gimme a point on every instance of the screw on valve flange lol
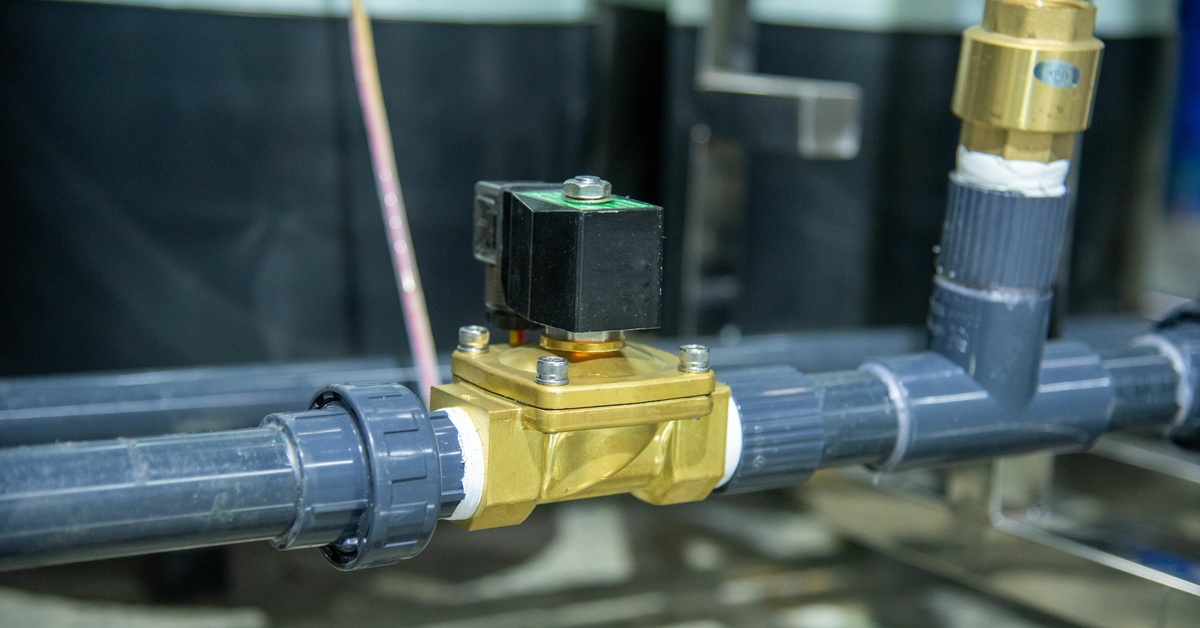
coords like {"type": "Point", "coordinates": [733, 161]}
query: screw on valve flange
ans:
{"type": "Point", "coordinates": [551, 370]}
{"type": "Point", "coordinates": [473, 339]}
{"type": "Point", "coordinates": [693, 359]}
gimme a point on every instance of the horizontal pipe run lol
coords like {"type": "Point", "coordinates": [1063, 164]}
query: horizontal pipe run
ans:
{"type": "Point", "coordinates": [946, 416]}
{"type": "Point", "coordinates": [100, 406]}
{"type": "Point", "coordinates": [364, 475]}
{"type": "Point", "coordinates": [71, 502]}
{"type": "Point", "coordinates": [922, 410]}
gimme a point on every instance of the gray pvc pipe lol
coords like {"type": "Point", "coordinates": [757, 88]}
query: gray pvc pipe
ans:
{"type": "Point", "coordinates": [364, 475]}
{"type": "Point", "coordinates": [992, 295]}
{"type": "Point", "coordinates": [98, 406]}
{"type": "Point", "coordinates": [793, 424]}
{"type": "Point", "coordinates": [81, 501]}
{"type": "Point", "coordinates": [923, 409]}
{"type": "Point", "coordinates": [945, 415]}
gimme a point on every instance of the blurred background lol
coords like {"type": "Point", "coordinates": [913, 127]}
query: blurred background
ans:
{"type": "Point", "coordinates": [186, 183]}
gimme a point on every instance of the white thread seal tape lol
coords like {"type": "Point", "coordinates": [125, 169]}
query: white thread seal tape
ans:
{"type": "Point", "coordinates": [733, 442]}
{"type": "Point", "coordinates": [474, 468]}
{"type": "Point", "coordinates": [1027, 178]}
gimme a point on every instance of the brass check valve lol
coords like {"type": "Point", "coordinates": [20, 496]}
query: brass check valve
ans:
{"type": "Point", "coordinates": [1027, 78]}
{"type": "Point", "coordinates": [581, 412]}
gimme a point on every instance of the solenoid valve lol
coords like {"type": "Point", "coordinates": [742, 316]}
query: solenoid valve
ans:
{"type": "Point", "coordinates": [581, 412]}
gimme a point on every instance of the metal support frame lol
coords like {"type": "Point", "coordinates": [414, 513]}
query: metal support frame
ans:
{"type": "Point", "coordinates": [815, 119]}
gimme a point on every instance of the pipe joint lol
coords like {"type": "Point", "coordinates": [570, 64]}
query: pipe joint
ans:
{"type": "Point", "coordinates": [990, 309]}
{"type": "Point", "coordinates": [782, 428]}
{"type": "Point", "coordinates": [1177, 338]}
{"type": "Point", "coordinates": [414, 473]}
{"type": "Point", "coordinates": [944, 415]}
{"type": "Point", "coordinates": [992, 238]}
{"type": "Point", "coordinates": [327, 457]}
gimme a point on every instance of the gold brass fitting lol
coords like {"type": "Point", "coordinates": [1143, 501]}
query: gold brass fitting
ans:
{"type": "Point", "coordinates": [628, 421]}
{"type": "Point", "coordinates": [564, 341]}
{"type": "Point", "coordinates": [1027, 78]}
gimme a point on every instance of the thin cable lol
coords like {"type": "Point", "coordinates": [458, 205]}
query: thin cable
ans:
{"type": "Point", "coordinates": [391, 202]}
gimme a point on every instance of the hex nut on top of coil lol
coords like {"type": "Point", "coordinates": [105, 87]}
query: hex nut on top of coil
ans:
{"type": "Point", "coordinates": [587, 188]}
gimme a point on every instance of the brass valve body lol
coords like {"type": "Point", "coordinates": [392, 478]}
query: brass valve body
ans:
{"type": "Point", "coordinates": [1027, 78]}
{"type": "Point", "coordinates": [628, 421]}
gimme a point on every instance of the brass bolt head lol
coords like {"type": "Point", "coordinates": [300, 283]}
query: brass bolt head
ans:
{"type": "Point", "coordinates": [473, 339]}
{"type": "Point", "coordinates": [693, 359]}
{"type": "Point", "coordinates": [587, 188]}
{"type": "Point", "coordinates": [551, 370]}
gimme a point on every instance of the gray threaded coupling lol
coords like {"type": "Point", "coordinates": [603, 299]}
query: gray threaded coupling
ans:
{"type": "Point", "coordinates": [990, 309]}
{"type": "Point", "coordinates": [1001, 239]}
{"type": "Point", "coordinates": [334, 486]}
{"type": "Point", "coordinates": [782, 429]}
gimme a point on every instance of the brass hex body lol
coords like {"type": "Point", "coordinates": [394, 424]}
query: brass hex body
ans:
{"type": "Point", "coordinates": [1027, 78]}
{"type": "Point", "coordinates": [628, 421]}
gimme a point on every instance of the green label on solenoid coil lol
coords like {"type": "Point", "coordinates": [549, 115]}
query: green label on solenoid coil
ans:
{"type": "Point", "coordinates": [616, 202]}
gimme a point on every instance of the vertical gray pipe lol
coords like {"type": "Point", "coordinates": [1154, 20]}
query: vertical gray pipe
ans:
{"type": "Point", "coordinates": [997, 263]}
{"type": "Point", "coordinates": [90, 500]}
